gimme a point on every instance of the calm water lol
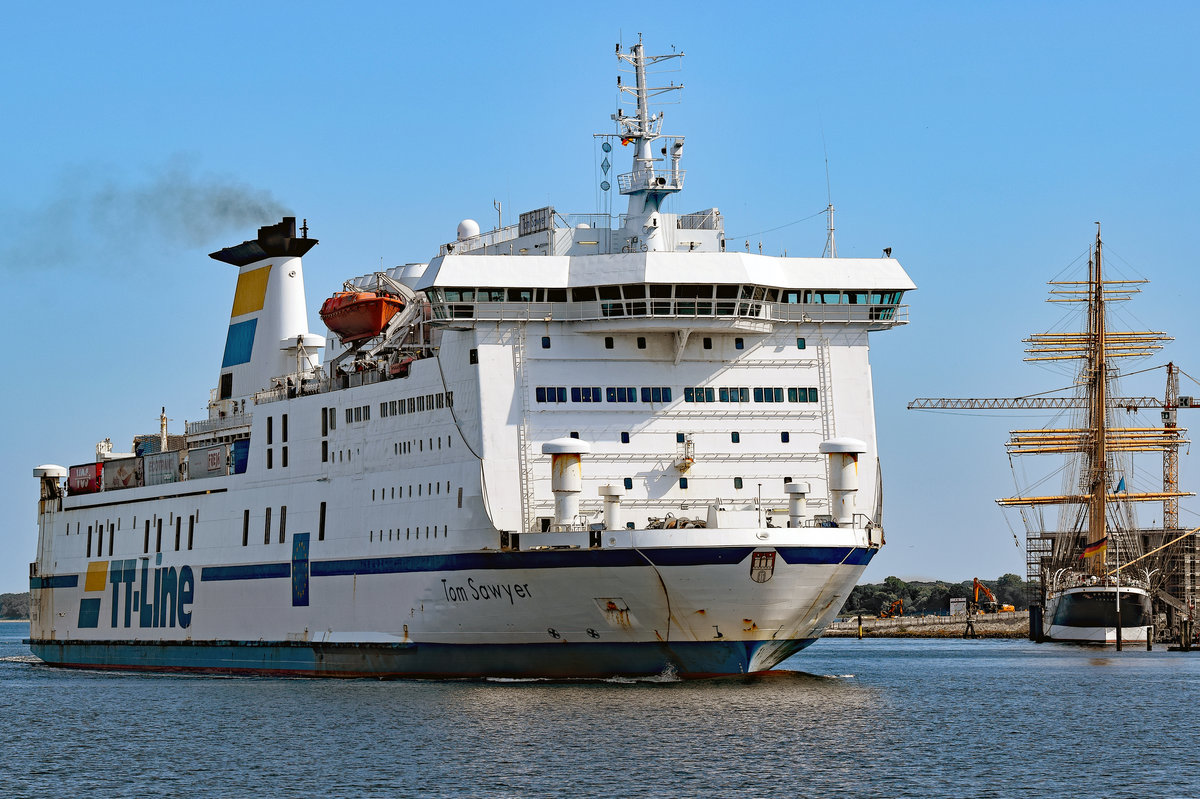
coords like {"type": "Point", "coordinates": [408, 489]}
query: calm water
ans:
{"type": "Point", "coordinates": [863, 718]}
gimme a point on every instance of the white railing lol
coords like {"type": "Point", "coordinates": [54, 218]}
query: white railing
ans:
{"type": "Point", "coordinates": [661, 179]}
{"type": "Point", "coordinates": [876, 315]}
{"type": "Point", "coordinates": [221, 423]}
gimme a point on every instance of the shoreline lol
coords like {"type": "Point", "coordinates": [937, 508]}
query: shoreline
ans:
{"type": "Point", "coordinates": [1013, 625]}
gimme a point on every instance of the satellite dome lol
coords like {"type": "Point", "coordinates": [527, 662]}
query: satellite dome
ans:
{"type": "Point", "coordinates": [583, 226]}
{"type": "Point", "coordinates": [467, 229]}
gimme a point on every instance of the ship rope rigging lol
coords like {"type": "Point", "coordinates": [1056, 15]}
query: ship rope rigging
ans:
{"type": "Point", "coordinates": [1099, 482]}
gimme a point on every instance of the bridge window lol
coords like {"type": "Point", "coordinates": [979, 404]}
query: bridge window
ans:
{"type": "Point", "coordinates": [656, 394]}
{"type": "Point", "coordinates": [550, 394]}
{"type": "Point", "coordinates": [737, 482]}
{"type": "Point", "coordinates": [585, 394]}
{"type": "Point", "coordinates": [628, 483]}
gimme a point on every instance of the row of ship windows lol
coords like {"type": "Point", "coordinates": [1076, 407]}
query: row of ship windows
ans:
{"type": "Point", "coordinates": [559, 394]}
{"type": "Point", "coordinates": [611, 394]}
{"type": "Point", "coordinates": [641, 291]}
{"type": "Point", "coordinates": [345, 455]}
{"type": "Point", "coordinates": [429, 489]}
{"type": "Point", "coordinates": [682, 438]}
{"type": "Point", "coordinates": [405, 447]}
{"type": "Point", "coordinates": [409, 533]}
{"type": "Point", "coordinates": [362, 413]}
{"type": "Point", "coordinates": [610, 343]}
{"type": "Point", "coordinates": [428, 402]}
{"type": "Point", "coordinates": [282, 525]}
{"type": "Point", "coordinates": [113, 529]}
{"type": "Point", "coordinates": [743, 394]}
{"type": "Point", "coordinates": [738, 482]}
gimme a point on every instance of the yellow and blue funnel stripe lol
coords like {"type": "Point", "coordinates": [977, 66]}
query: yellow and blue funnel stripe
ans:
{"type": "Point", "coordinates": [249, 298]}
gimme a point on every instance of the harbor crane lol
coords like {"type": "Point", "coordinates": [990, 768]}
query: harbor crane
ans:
{"type": "Point", "coordinates": [1167, 438]}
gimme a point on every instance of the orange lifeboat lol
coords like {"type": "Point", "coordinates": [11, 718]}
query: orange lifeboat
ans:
{"type": "Point", "coordinates": [358, 315]}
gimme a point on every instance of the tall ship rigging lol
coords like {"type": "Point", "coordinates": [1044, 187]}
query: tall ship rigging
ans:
{"type": "Point", "coordinates": [1094, 573]}
{"type": "Point", "coordinates": [1092, 587]}
{"type": "Point", "coordinates": [575, 446]}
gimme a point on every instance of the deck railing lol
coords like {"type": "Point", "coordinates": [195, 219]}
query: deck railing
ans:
{"type": "Point", "coordinates": [880, 315]}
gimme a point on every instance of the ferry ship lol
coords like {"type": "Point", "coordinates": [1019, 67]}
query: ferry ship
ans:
{"type": "Point", "coordinates": [579, 446]}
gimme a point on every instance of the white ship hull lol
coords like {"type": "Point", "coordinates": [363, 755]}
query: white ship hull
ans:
{"type": "Point", "coordinates": [1088, 615]}
{"type": "Point", "coordinates": [652, 601]}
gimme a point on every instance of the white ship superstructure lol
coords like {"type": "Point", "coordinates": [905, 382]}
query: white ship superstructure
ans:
{"type": "Point", "coordinates": [579, 448]}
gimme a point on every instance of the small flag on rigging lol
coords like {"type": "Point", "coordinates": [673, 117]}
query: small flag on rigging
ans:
{"type": "Point", "coordinates": [1096, 548]}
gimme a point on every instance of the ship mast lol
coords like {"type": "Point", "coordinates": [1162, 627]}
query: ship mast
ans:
{"type": "Point", "coordinates": [1098, 423]}
{"type": "Point", "coordinates": [646, 186]}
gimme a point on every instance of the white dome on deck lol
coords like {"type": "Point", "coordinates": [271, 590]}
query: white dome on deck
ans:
{"type": "Point", "coordinates": [467, 229]}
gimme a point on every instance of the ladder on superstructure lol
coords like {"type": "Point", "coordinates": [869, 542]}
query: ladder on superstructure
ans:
{"type": "Point", "coordinates": [828, 424]}
{"type": "Point", "coordinates": [524, 461]}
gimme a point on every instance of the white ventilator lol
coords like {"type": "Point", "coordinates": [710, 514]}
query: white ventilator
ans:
{"type": "Point", "coordinates": [566, 476]}
{"type": "Point", "coordinates": [843, 475]}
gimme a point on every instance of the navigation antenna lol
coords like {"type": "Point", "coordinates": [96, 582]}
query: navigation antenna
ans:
{"type": "Point", "coordinates": [830, 250]}
{"type": "Point", "coordinates": [646, 186]}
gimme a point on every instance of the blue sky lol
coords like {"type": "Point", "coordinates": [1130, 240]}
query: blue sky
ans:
{"type": "Point", "coordinates": [980, 141]}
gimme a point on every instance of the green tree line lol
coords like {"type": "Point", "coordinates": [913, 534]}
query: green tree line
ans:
{"type": "Point", "coordinates": [930, 597]}
{"type": "Point", "coordinates": [14, 606]}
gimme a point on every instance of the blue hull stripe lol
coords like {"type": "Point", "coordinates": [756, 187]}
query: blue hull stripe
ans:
{"type": "Point", "coordinates": [849, 556]}
{"type": "Point", "coordinates": [553, 660]}
{"type": "Point", "coordinates": [56, 581]}
{"type": "Point", "coordinates": [481, 561]}
{"type": "Point", "coordinates": [255, 571]}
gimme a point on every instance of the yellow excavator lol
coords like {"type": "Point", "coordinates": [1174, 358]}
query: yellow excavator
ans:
{"type": "Point", "coordinates": [990, 605]}
{"type": "Point", "coordinates": [893, 610]}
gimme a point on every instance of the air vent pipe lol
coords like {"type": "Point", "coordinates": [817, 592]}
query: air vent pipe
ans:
{"type": "Point", "coordinates": [566, 477]}
{"type": "Point", "coordinates": [843, 475]}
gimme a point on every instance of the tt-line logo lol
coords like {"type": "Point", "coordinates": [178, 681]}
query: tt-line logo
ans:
{"type": "Point", "coordinates": [151, 596]}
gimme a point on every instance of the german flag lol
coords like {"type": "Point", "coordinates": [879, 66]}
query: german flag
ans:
{"type": "Point", "coordinates": [1097, 548]}
{"type": "Point", "coordinates": [625, 140]}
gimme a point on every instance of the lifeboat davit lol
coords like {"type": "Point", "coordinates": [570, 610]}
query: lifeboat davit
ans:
{"type": "Point", "coordinates": [358, 315]}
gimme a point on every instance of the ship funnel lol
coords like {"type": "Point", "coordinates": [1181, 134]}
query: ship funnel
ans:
{"type": "Point", "coordinates": [268, 328]}
{"type": "Point", "coordinates": [566, 477]}
{"type": "Point", "coordinates": [843, 475]}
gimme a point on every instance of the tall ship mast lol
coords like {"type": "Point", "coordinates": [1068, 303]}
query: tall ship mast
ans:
{"type": "Point", "coordinates": [1095, 579]}
{"type": "Point", "coordinates": [578, 445]}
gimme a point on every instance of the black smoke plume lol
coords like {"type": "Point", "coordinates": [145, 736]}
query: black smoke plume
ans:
{"type": "Point", "coordinates": [102, 221]}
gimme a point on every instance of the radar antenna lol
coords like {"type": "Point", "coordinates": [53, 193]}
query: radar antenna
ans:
{"type": "Point", "coordinates": [646, 186]}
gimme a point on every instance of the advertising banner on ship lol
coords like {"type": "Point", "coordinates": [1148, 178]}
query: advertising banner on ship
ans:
{"type": "Point", "coordinates": [122, 473]}
{"type": "Point", "coordinates": [162, 467]}
{"type": "Point", "coordinates": [85, 478]}
{"type": "Point", "coordinates": [208, 462]}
